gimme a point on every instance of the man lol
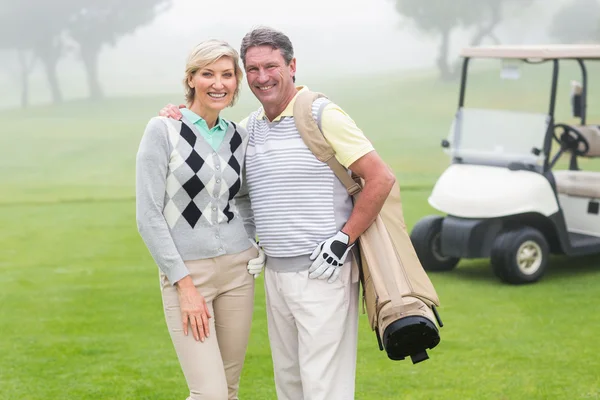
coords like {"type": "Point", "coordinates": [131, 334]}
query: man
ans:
{"type": "Point", "coordinates": [307, 225]}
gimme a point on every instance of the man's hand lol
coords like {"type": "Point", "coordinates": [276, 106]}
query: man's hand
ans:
{"type": "Point", "coordinates": [256, 265]}
{"type": "Point", "coordinates": [193, 308]}
{"type": "Point", "coordinates": [171, 111]}
{"type": "Point", "coordinates": [329, 257]}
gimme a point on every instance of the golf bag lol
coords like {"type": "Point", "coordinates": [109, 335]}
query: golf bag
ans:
{"type": "Point", "coordinates": [400, 299]}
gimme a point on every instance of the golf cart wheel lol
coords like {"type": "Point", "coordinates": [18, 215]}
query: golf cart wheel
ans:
{"type": "Point", "coordinates": [520, 255]}
{"type": "Point", "coordinates": [426, 239]}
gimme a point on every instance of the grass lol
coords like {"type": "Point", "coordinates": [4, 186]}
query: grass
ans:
{"type": "Point", "coordinates": [80, 311]}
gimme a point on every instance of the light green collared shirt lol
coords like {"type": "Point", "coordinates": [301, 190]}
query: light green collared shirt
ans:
{"type": "Point", "coordinates": [213, 136]}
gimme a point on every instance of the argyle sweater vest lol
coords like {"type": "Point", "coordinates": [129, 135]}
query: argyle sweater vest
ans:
{"type": "Point", "coordinates": [190, 202]}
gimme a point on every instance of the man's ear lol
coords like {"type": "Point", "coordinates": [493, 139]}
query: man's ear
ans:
{"type": "Point", "coordinates": [293, 66]}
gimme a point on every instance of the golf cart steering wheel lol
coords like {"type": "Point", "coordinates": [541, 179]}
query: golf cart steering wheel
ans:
{"type": "Point", "coordinates": [570, 138]}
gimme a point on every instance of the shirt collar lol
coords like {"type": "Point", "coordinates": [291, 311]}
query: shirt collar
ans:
{"type": "Point", "coordinates": [289, 109]}
{"type": "Point", "coordinates": [196, 119]}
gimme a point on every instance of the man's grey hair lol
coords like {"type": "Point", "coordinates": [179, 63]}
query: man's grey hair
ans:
{"type": "Point", "coordinates": [265, 36]}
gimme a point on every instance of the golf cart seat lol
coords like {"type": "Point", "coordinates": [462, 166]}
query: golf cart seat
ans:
{"type": "Point", "coordinates": [592, 135]}
{"type": "Point", "coordinates": [578, 183]}
{"type": "Point", "coordinates": [582, 183]}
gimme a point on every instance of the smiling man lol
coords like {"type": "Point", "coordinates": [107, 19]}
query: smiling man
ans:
{"type": "Point", "coordinates": [307, 224]}
{"type": "Point", "coordinates": [271, 77]}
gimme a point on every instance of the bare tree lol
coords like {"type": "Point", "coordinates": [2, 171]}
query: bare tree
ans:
{"type": "Point", "coordinates": [37, 32]}
{"type": "Point", "coordinates": [18, 64]}
{"type": "Point", "coordinates": [98, 23]}
{"type": "Point", "coordinates": [34, 27]}
{"type": "Point", "coordinates": [441, 17]}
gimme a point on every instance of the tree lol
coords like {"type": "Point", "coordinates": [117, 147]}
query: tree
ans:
{"type": "Point", "coordinates": [441, 17]}
{"type": "Point", "coordinates": [96, 23]}
{"type": "Point", "coordinates": [34, 30]}
{"type": "Point", "coordinates": [22, 59]}
{"type": "Point", "coordinates": [39, 31]}
{"type": "Point", "coordinates": [27, 61]}
{"type": "Point", "coordinates": [577, 22]}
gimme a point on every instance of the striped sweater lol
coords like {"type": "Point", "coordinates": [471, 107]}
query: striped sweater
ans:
{"type": "Point", "coordinates": [296, 199]}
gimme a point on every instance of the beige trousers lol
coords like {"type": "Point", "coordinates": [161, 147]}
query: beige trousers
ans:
{"type": "Point", "coordinates": [313, 331]}
{"type": "Point", "coordinates": [212, 368]}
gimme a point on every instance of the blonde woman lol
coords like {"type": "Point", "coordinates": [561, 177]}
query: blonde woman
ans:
{"type": "Point", "coordinates": [194, 215]}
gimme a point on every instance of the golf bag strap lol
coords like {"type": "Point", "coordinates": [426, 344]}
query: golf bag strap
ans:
{"type": "Point", "coordinates": [312, 135]}
{"type": "Point", "coordinates": [320, 114]}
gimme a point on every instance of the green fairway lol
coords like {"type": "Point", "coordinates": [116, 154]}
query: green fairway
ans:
{"type": "Point", "coordinates": [81, 316]}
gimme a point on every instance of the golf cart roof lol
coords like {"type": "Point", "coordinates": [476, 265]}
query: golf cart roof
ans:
{"type": "Point", "coordinates": [540, 52]}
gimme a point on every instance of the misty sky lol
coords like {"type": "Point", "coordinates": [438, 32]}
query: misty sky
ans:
{"type": "Point", "coordinates": [351, 36]}
{"type": "Point", "coordinates": [331, 38]}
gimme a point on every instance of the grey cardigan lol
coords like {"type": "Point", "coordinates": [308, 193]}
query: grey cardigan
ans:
{"type": "Point", "coordinates": [191, 201]}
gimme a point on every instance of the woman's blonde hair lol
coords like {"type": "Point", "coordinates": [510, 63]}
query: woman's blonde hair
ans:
{"type": "Point", "coordinates": [206, 53]}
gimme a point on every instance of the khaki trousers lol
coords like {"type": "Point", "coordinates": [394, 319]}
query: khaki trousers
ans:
{"type": "Point", "coordinates": [212, 368]}
{"type": "Point", "coordinates": [313, 331]}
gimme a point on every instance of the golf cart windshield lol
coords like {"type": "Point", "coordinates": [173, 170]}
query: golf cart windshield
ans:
{"type": "Point", "coordinates": [503, 116]}
{"type": "Point", "coordinates": [499, 137]}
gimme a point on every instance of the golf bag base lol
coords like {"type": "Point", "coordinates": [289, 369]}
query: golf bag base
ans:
{"type": "Point", "coordinates": [410, 336]}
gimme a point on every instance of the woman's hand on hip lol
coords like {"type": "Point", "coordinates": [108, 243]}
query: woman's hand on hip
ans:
{"type": "Point", "coordinates": [193, 309]}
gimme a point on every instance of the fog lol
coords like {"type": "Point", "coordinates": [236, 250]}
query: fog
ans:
{"type": "Point", "coordinates": [332, 38]}
{"type": "Point", "coordinates": [344, 37]}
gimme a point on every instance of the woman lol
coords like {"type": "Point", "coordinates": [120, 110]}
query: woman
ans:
{"type": "Point", "coordinates": [194, 215]}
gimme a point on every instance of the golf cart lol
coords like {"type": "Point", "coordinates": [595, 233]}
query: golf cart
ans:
{"type": "Point", "coordinates": [503, 195]}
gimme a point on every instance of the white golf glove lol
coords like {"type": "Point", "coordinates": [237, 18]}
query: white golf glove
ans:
{"type": "Point", "coordinates": [329, 256]}
{"type": "Point", "coordinates": [256, 265]}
